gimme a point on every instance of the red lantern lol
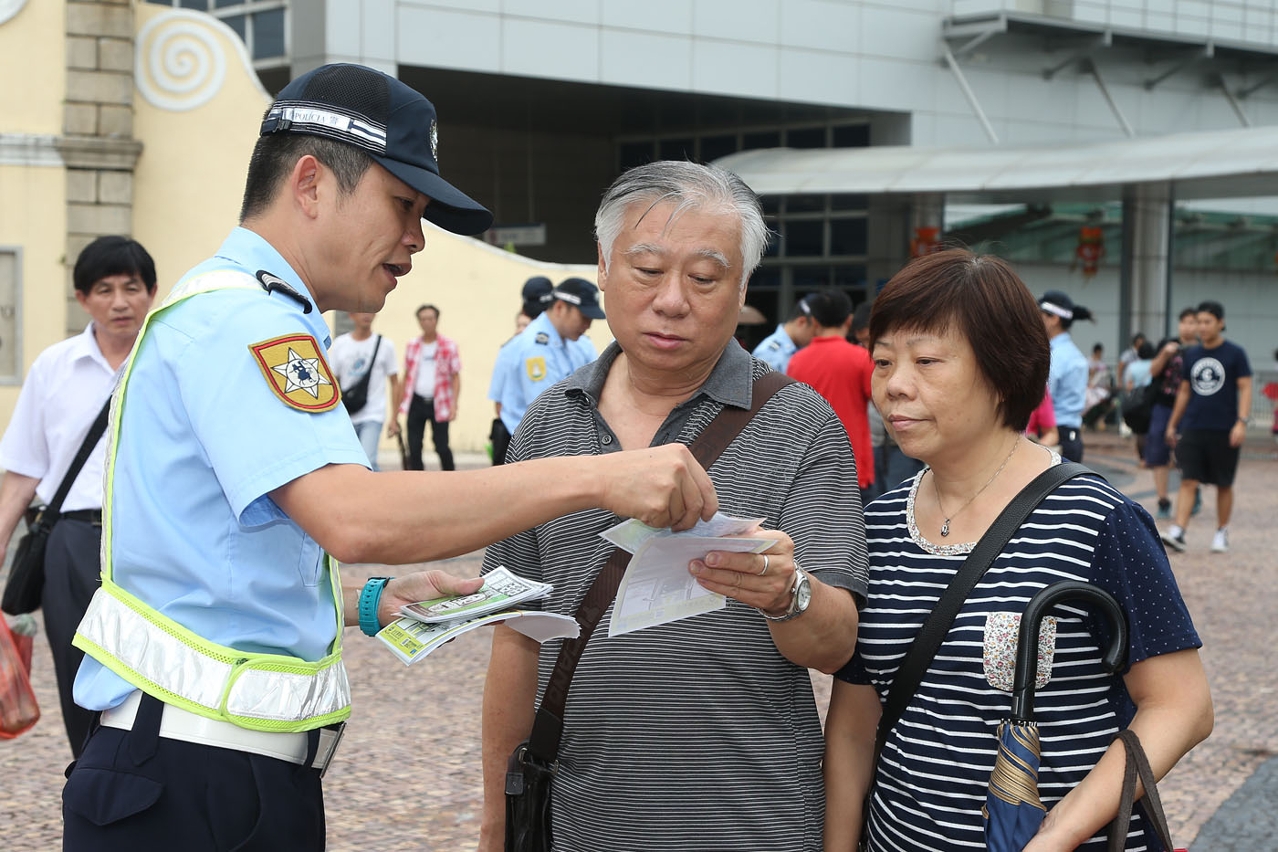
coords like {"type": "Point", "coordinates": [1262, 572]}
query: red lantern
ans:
{"type": "Point", "coordinates": [927, 240]}
{"type": "Point", "coordinates": [1091, 248]}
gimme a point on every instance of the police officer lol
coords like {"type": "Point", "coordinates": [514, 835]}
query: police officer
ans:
{"type": "Point", "coordinates": [536, 294]}
{"type": "Point", "coordinates": [550, 348]}
{"type": "Point", "coordinates": [214, 644]}
{"type": "Point", "coordinates": [790, 336]}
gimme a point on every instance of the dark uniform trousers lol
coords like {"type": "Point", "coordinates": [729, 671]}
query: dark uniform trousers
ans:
{"type": "Point", "coordinates": [134, 791]}
{"type": "Point", "coordinates": [72, 573]}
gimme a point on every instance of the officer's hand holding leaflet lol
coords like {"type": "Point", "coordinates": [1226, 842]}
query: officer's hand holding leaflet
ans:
{"type": "Point", "coordinates": [402, 517]}
{"type": "Point", "coordinates": [409, 589]}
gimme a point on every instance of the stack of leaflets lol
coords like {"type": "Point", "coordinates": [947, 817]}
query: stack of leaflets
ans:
{"type": "Point", "coordinates": [429, 624]}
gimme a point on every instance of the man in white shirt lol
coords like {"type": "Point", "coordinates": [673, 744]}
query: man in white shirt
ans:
{"type": "Point", "coordinates": [65, 389]}
{"type": "Point", "coordinates": [432, 387]}
{"type": "Point", "coordinates": [355, 355]}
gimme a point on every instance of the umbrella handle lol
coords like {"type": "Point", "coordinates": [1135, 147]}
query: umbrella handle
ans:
{"type": "Point", "coordinates": [1027, 641]}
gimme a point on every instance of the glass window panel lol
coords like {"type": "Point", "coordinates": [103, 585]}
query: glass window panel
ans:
{"type": "Point", "coordinates": [847, 236]}
{"type": "Point", "coordinates": [677, 149]}
{"type": "Point", "coordinates": [805, 204]}
{"type": "Point", "coordinates": [767, 139]}
{"type": "Point", "coordinates": [852, 279]}
{"type": "Point", "coordinates": [849, 202]}
{"type": "Point", "coordinates": [852, 136]}
{"type": "Point", "coordinates": [714, 147]}
{"type": "Point", "coordinates": [804, 239]}
{"type": "Point", "coordinates": [771, 205]}
{"type": "Point", "coordinates": [635, 154]}
{"type": "Point", "coordinates": [809, 279]}
{"type": "Point", "coordinates": [765, 278]}
{"type": "Point", "coordinates": [268, 34]}
{"type": "Point", "coordinates": [810, 137]}
{"type": "Point", "coordinates": [237, 23]}
{"type": "Point", "coordinates": [201, 5]}
{"type": "Point", "coordinates": [222, 4]}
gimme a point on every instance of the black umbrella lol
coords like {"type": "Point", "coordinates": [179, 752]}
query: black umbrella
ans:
{"type": "Point", "coordinates": [1013, 810]}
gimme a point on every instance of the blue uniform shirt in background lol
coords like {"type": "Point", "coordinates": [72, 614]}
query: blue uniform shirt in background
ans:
{"type": "Point", "coordinates": [537, 359]}
{"type": "Point", "coordinates": [1067, 381]}
{"type": "Point", "coordinates": [203, 441]}
{"type": "Point", "coordinates": [775, 349]}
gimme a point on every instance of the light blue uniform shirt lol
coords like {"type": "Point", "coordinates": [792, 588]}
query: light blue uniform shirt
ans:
{"type": "Point", "coordinates": [203, 441]}
{"type": "Point", "coordinates": [1067, 380]}
{"type": "Point", "coordinates": [501, 369]}
{"type": "Point", "coordinates": [538, 358]}
{"type": "Point", "coordinates": [776, 349]}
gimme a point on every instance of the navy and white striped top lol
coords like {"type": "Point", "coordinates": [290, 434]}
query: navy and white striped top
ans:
{"type": "Point", "coordinates": [935, 768]}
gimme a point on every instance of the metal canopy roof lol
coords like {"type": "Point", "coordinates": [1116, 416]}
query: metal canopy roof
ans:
{"type": "Point", "coordinates": [1209, 164]}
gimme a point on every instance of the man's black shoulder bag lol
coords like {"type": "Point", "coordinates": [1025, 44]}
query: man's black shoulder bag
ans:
{"type": "Point", "coordinates": [25, 586]}
{"type": "Point", "coordinates": [534, 762]}
{"type": "Point", "coordinates": [356, 396]}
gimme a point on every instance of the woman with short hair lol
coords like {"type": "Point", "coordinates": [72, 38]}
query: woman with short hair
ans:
{"type": "Point", "coordinates": [961, 359]}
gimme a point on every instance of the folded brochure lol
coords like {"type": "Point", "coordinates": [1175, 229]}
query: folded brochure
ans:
{"type": "Point", "coordinates": [426, 625]}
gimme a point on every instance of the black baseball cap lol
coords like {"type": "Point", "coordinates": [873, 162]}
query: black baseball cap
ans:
{"type": "Point", "coordinates": [537, 295]}
{"type": "Point", "coordinates": [1056, 302]}
{"type": "Point", "coordinates": [582, 294]}
{"type": "Point", "coordinates": [390, 120]}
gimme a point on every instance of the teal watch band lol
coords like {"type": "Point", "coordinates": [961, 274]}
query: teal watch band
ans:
{"type": "Point", "coordinates": [369, 599]}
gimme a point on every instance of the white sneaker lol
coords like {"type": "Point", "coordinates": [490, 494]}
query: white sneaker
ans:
{"type": "Point", "coordinates": [1220, 542]}
{"type": "Point", "coordinates": [1175, 539]}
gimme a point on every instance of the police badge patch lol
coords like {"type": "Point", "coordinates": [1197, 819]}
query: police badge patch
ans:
{"type": "Point", "coordinates": [297, 373]}
{"type": "Point", "coordinates": [536, 368]}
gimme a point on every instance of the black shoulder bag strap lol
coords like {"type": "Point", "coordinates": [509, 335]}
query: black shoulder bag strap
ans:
{"type": "Point", "coordinates": [50, 512]}
{"type": "Point", "coordinates": [365, 379]}
{"type": "Point", "coordinates": [932, 633]}
{"type": "Point", "coordinates": [548, 725]}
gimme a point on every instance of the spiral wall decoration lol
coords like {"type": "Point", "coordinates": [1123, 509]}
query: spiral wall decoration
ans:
{"type": "Point", "coordinates": [180, 59]}
{"type": "Point", "coordinates": [9, 8]}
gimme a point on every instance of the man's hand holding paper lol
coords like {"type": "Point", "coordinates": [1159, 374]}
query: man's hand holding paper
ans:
{"type": "Point", "coordinates": [758, 578]}
{"type": "Point", "coordinates": [658, 587]}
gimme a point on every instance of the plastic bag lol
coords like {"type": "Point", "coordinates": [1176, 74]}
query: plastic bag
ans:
{"type": "Point", "coordinates": [18, 708]}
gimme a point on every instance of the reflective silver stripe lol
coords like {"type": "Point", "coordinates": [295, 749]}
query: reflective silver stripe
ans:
{"type": "Point", "coordinates": [185, 671]}
{"type": "Point", "coordinates": [221, 279]}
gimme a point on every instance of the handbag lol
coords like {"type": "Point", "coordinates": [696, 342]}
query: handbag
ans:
{"type": "Point", "coordinates": [25, 585]}
{"type": "Point", "coordinates": [356, 396]}
{"type": "Point", "coordinates": [937, 625]}
{"type": "Point", "coordinates": [532, 766]}
{"type": "Point", "coordinates": [18, 707]}
{"type": "Point", "coordinates": [1138, 764]}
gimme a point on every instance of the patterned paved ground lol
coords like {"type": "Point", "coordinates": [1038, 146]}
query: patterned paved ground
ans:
{"type": "Point", "coordinates": [407, 775]}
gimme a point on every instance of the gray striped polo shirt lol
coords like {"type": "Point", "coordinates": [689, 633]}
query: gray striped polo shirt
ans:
{"type": "Point", "coordinates": [696, 734]}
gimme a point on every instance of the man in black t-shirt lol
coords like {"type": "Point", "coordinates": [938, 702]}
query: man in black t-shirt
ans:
{"type": "Point", "coordinates": [1209, 422]}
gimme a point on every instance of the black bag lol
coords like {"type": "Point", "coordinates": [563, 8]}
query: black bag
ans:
{"type": "Point", "coordinates": [23, 590]}
{"type": "Point", "coordinates": [533, 764]}
{"type": "Point", "coordinates": [25, 586]}
{"type": "Point", "coordinates": [1138, 405]}
{"type": "Point", "coordinates": [528, 801]}
{"type": "Point", "coordinates": [356, 396]}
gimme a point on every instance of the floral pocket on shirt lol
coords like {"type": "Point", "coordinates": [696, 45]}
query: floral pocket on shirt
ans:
{"type": "Point", "coordinates": [1002, 629]}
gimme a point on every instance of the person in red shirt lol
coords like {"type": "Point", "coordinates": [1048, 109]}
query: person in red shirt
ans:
{"type": "Point", "coordinates": [840, 372]}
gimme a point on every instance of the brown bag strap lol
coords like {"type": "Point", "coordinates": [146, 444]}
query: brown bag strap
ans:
{"type": "Point", "coordinates": [548, 724]}
{"type": "Point", "coordinates": [1137, 764]}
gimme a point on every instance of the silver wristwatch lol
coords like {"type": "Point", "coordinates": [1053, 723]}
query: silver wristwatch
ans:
{"type": "Point", "coordinates": [800, 597]}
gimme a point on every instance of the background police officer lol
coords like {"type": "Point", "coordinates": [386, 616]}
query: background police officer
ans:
{"type": "Point", "coordinates": [550, 348]}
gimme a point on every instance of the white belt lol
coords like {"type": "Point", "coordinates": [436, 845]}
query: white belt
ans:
{"type": "Point", "coordinates": [179, 724]}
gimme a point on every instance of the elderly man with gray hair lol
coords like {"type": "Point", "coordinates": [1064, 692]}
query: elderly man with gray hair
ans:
{"type": "Point", "coordinates": [701, 732]}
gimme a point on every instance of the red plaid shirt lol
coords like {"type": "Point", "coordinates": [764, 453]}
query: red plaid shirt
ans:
{"type": "Point", "coordinates": [447, 365]}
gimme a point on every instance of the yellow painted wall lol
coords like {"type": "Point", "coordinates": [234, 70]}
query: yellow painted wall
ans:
{"type": "Point", "coordinates": [33, 219]}
{"type": "Point", "coordinates": [33, 69]}
{"type": "Point", "coordinates": [190, 177]}
{"type": "Point", "coordinates": [476, 288]}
